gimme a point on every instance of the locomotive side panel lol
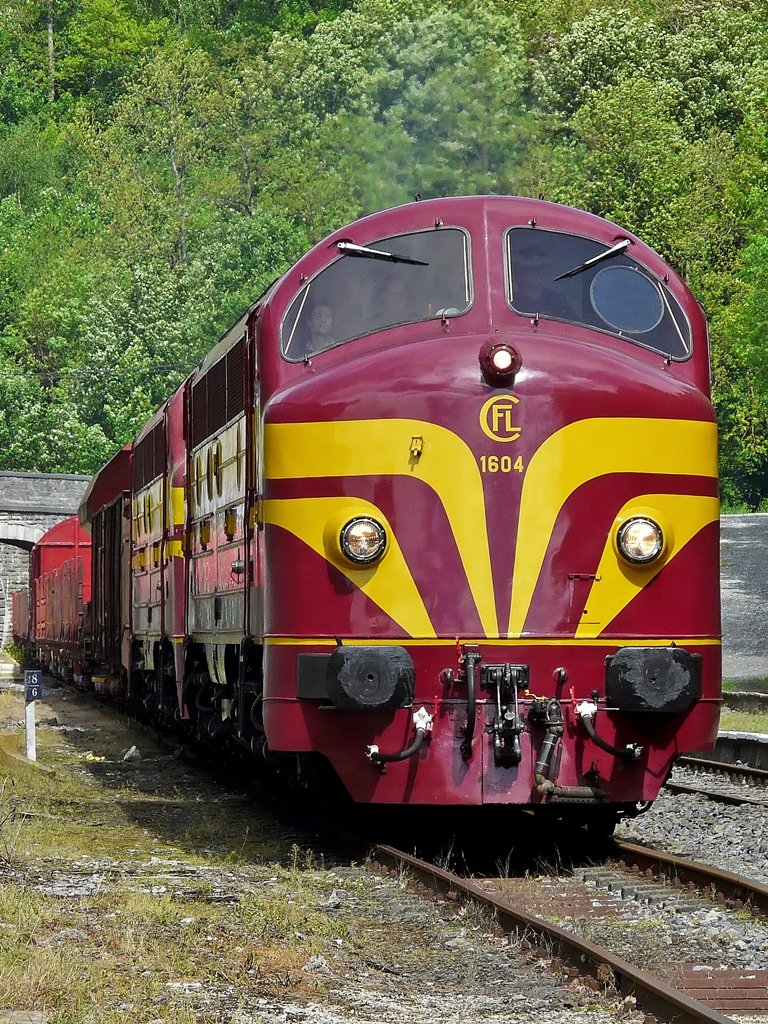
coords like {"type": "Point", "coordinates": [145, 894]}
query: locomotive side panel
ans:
{"type": "Point", "coordinates": [111, 536]}
{"type": "Point", "coordinates": [217, 502]}
{"type": "Point", "coordinates": [174, 551]}
{"type": "Point", "coordinates": [147, 517]}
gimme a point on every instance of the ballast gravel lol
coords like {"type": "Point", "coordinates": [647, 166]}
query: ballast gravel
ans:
{"type": "Point", "coordinates": [731, 837]}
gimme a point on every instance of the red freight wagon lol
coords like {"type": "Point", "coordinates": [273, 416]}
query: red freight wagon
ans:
{"type": "Point", "coordinates": [20, 617]}
{"type": "Point", "coordinates": [60, 594]}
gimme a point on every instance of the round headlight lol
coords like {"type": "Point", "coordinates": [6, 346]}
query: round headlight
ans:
{"type": "Point", "coordinates": [363, 540]}
{"type": "Point", "coordinates": [640, 540]}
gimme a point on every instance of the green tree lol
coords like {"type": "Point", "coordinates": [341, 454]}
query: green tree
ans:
{"type": "Point", "coordinates": [150, 329]}
{"type": "Point", "coordinates": [698, 55]}
{"type": "Point", "coordinates": [273, 151]}
{"type": "Point", "coordinates": [155, 161]}
{"type": "Point", "coordinates": [412, 97]}
{"type": "Point", "coordinates": [38, 432]}
{"type": "Point", "coordinates": [447, 98]}
{"type": "Point", "coordinates": [740, 372]}
{"type": "Point", "coordinates": [103, 43]}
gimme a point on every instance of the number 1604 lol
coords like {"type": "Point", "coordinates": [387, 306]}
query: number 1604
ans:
{"type": "Point", "coordinates": [501, 464]}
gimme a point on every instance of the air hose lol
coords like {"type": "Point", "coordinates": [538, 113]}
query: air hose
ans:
{"type": "Point", "coordinates": [423, 722]}
{"type": "Point", "coordinates": [587, 711]}
{"type": "Point", "coordinates": [553, 721]}
{"type": "Point", "coordinates": [471, 658]}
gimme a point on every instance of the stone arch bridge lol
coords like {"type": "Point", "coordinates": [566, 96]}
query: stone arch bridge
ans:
{"type": "Point", "coordinates": [30, 504]}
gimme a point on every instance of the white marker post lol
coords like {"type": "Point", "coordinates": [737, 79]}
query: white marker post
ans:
{"type": "Point", "coordinates": [33, 687]}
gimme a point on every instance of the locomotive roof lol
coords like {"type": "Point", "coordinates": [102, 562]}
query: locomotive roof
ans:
{"type": "Point", "coordinates": [225, 343]}
{"type": "Point", "coordinates": [472, 212]}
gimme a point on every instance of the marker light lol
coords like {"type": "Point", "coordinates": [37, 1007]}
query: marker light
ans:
{"type": "Point", "coordinates": [363, 540]}
{"type": "Point", "coordinates": [499, 362]}
{"type": "Point", "coordinates": [640, 540]}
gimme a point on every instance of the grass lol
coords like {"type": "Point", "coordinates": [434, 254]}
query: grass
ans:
{"type": "Point", "coordinates": [10, 652]}
{"type": "Point", "coordinates": [117, 903]}
{"type": "Point", "coordinates": [735, 685]}
{"type": "Point", "coordinates": [137, 941]}
{"type": "Point", "coordinates": [744, 721]}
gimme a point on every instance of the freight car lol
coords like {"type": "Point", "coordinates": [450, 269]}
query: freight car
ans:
{"type": "Point", "coordinates": [438, 513]}
{"type": "Point", "coordinates": [53, 616]}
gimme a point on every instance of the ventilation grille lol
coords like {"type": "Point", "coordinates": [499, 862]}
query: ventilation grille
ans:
{"type": "Point", "coordinates": [219, 396]}
{"type": "Point", "coordinates": [149, 457]}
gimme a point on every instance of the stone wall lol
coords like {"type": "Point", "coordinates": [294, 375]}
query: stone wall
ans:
{"type": "Point", "coordinates": [14, 573]}
{"type": "Point", "coordinates": [744, 598]}
{"type": "Point", "coordinates": [42, 492]}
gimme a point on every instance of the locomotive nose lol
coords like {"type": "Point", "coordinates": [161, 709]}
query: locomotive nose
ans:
{"type": "Point", "coordinates": [499, 362]}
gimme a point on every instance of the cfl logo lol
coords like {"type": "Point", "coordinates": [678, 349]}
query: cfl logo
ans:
{"type": "Point", "coordinates": [496, 418]}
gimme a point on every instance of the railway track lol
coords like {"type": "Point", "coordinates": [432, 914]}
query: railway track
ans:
{"type": "Point", "coordinates": [737, 776]}
{"type": "Point", "coordinates": [702, 999]}
{"type": "Point", "coordinates": [736, 889]}
{"type": "Point", "coordinates": [758, 776]}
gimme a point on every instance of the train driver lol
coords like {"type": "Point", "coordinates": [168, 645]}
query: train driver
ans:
{"type": "Point", "coordinates": [320, 328]}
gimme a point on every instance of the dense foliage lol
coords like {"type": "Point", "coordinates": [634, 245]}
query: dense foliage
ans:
{"type": "Point", "coordinates": [162, 160]}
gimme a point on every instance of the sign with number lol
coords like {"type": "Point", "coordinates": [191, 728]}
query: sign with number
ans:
{"type": "Point", "coordinates": [33, 684]}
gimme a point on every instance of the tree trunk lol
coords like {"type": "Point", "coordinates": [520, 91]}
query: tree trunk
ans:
{"type": "Point", "coordinates": [178, 176]}
{"type": "Point", "coordinates": [51, 66]}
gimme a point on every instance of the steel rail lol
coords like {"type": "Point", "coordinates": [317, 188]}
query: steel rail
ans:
{"type": "Point", "coordinates": [654, 995]}
{"type": "Point", "coordinates": [716, 767]}
{"type": "Point", "coordinates": [732, 886]}
{"type": "Point", "coordinates": [711, 794]}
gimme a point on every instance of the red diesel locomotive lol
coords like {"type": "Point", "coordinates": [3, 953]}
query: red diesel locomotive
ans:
{"type": "Point", "coordinates": [439, 511]}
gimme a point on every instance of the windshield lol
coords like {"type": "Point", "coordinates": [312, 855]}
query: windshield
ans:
{"type": "Point", "coordinates": [398, 280]}
{"type": "Point", "coordinates": [583, 281]}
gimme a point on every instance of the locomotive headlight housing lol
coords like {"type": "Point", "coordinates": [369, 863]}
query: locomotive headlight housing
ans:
{"type": "Point", "coordinates": [357, 536]}
{"type": "Point", "coordinates": [640, 540]}
{"type": "Point", "coordinates": [363, 540]}
{"type": "Point", "coordinates": [499, 362]}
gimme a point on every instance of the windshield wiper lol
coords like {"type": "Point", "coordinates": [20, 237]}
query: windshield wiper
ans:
{"type": "Point", "coordinates": [619, 247]}
{"type": "Point", "coordinates": [376, 254]}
